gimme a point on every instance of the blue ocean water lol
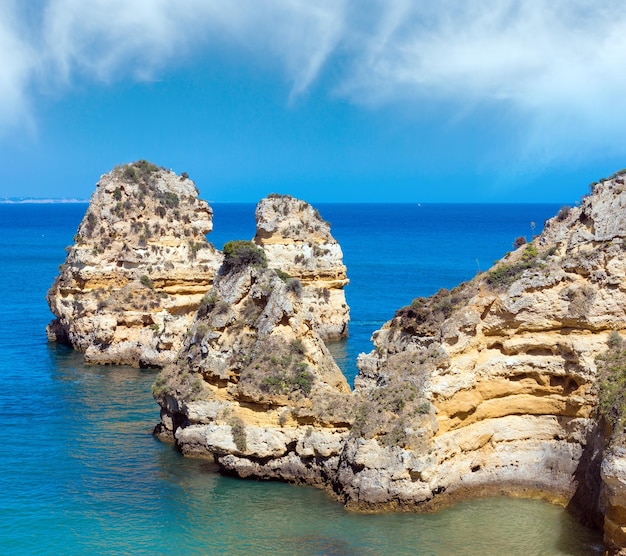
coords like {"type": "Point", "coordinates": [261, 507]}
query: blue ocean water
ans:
{"type": "Point", "coordinates": [81, 474]}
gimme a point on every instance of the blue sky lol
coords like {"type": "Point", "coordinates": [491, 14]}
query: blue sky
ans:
{"type": "Point", "coordinates": [332, 100]}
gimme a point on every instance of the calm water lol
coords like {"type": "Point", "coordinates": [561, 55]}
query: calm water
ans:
{"type": "Point", "coordinates": [80, 472]}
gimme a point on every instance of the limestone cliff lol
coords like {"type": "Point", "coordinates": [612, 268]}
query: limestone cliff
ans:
{"type": "Point", "coordinates": [512, 375]}
{"type": "Point", "coordinates": [255, 387]}
{"type": "Point", "coordinates": [140, 265]}
{"type": "Point", "coordinates": [492, 387]}
{"type": "Point", "coordinates": [298, 241]}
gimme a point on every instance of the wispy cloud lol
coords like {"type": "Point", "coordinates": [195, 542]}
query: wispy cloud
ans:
{"type": "Point", "coordinates": [17, 65]}
{"type": "Point", "coordinates": [555, 64]}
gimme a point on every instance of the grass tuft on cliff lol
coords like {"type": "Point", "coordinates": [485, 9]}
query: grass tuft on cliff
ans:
{"type": "Point", "coordinates": [138, 172]}
{"type": "Point", "coordinates": [425, 315]}
{"type": "Point", "coordinates": [612, 383]}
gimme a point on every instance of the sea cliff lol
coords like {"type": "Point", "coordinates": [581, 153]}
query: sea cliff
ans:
{"type": "Point", "coordinates": [140, 265]}
{"type": "Point", "coordinates": [510, 383]}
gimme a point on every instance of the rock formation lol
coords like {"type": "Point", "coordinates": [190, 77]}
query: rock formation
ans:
{"type": "Point", "coordinates": [255, 386]}
{"type": "Point", "coordinates": [140, 265]}
{"type": "Point", "coordinates": [514, 382]}
{"type": "Point", "coordinates": [297, 241]}
{"type": "Point", "coordinates": [512, 376]}
{"type": "Point", "coordinates": [493, 387]}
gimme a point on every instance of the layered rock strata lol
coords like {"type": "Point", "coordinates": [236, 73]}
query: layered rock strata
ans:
{"type": "Point", "coordinates": [132, 282]}
{"type": "Point", "coordinates": [298, 241]}
{"type": "Point", "coordinates": [255, 387]}
{"type": "Point", "coordinates": [140, 265]}
{"type": "Point", "coordinates": [513, 378]}
{"type": "Point", "coordinates": [492, 387]}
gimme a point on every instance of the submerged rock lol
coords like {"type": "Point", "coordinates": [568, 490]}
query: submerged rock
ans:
{"type": "Point", "coordinates": [132, 282]}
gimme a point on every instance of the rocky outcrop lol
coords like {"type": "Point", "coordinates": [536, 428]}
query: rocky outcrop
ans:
{"type": "Point", "coordinates": [255, 387]}
{"type": "Point", "coordinates": [514, 382]}
{"type": "Point", "coordinates": [512, 373]}
{"type": "Point", "coordinates": [496, 386]}
{"type": "Point", "coordinates": [614, 498]}
{"type": "Point", "coordinates": [140, 265]}
{"type": "Point", "coordinates": [298, 241]}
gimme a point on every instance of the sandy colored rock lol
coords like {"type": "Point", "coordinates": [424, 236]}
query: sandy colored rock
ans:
{"type": "Point", "coordinates": [140, 265]}
{"type": "Point", "coordinates": [253, 380]}
{"type": "Point", "coordinates": [298, 241]}
{"type": "Point", "coordinates": [508, 362]}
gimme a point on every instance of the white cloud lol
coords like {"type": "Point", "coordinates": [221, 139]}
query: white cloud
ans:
{"type": "Point", "coordinates": [102, 38]}
{"type": "Point", "coordinates": [17, 63]}
{"type": "Point", "coordinates": [556, 65]}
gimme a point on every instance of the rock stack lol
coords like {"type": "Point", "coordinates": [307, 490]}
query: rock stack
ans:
{"type": "Point", "coordinates": [140, 265]}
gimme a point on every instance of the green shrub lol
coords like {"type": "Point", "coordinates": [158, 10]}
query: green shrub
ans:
{"type": "Point", "coordinates": [529, 253]}
{"type": "Point", "coordinates": [612, 383]}
{"type": "Point", "coordinates": [615, 340]}
{"type": "Point", "coordinates": [563, 213]}
{"type": "Point", "coordinates": [146, 281]}
{"type": "Point", "coordinates": [170, 199]}
{"type": "Point", "coordinates": [294, 286]}
{"type": "Point", "coordinates": [222, 307]}
{"type": "Point", "coordinates": [505, 274]}
{"type": "Point", "coordinates": [201, 330]}
{"type": "Point", "coordinates": [239, 254]}
{"type": "Point", "coordinates": [140, 172]}
{"type": "Point", "coordinates": [193, 249]}
{"type": "Point", "coordinates": [238, 430]}
{"type": "Point", "coordinates": [618, 174]}
{"type": "Point", "coordinates": [297, 347]}
{"type": "Point", "coordinates": [161, 387]}
{"type": "Point", "coordinates": [284, 276]}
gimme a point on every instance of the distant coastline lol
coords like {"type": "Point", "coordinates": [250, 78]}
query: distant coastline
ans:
{"type": "Point", "coordinates": [29, 200]}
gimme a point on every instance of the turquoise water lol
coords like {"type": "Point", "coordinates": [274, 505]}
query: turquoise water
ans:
{"type": "Point", "coordinates": [81, 474]}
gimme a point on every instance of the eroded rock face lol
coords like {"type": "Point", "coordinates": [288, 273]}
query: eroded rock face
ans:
{"type": "Point", "coordinates": [490, 388]}
{"type": "Point", "coordinates": [255, 387]}
{"type": "Point", "coordinates": [511, 374]}
{"type": "Point", "coordinates": [132, 282]}
{"type": "Point", "coordinates": [298, 241]}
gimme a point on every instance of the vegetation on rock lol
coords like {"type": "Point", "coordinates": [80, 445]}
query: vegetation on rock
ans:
{"type": "Point", "coordinates": [426, 314]}
{"type": "Point", "coordinates": [504, 274]}
{"type": "Point", "coordinates": [239, 254]}
{"type": "Point", "coordinates": [612, 383]}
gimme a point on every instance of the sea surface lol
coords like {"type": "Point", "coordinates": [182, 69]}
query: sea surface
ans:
{"type": "Point", "coordinates": [80, 472]}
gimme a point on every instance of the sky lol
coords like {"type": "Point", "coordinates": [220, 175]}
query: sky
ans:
{"type": "Point", "coordinates": [326, 100]}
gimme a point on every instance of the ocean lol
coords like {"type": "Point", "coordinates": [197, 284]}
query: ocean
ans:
{"type": "Point", "coordinates": [81, 474]}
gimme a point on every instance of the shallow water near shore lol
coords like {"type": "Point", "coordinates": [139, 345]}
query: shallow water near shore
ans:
{"type": "Point", "coordinates": [81, 473]}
